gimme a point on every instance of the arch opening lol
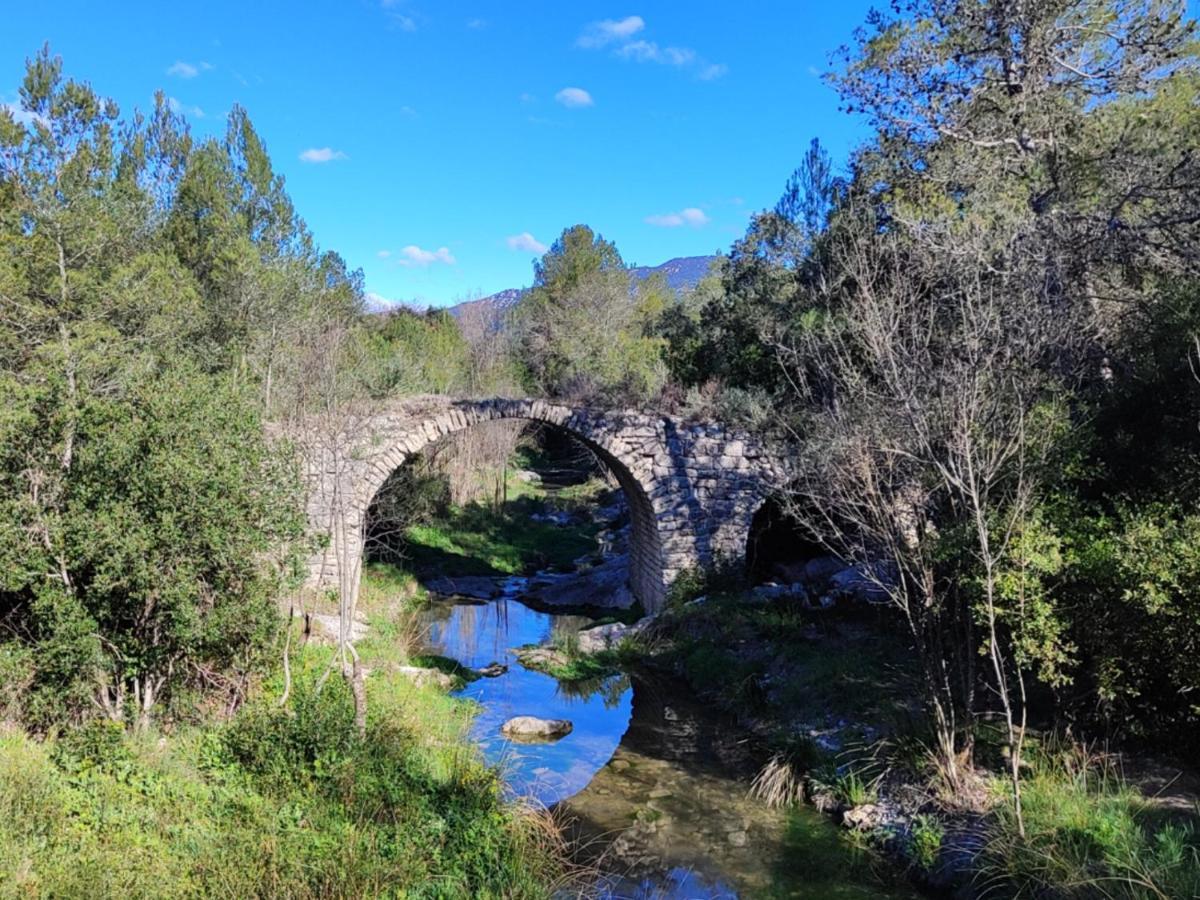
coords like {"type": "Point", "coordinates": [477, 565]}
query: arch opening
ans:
{"type": "Point", "coordinates": [777, 548]}
{"type": "Point", "coordinates": [412, 481]}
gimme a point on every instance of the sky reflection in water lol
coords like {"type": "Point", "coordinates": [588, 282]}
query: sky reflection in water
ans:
{"type": "Point", "coordinates": [476, 634]}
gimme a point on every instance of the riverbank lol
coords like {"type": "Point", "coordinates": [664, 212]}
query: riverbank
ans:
{"type": "Point", "coordinates": [275, 802]}
{"type": "Point", "coordinates": [832, 695]}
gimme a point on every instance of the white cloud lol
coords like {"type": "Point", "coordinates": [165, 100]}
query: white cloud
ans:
{"type": "Point", "coordinates": [415, 256]}
{"type": "Point", "coordinates": [321, 155]}
{"type": "Point", "coordinates": [384, 254]}
{"type": "Point", "coordinates": [574, 98]}
{"type": "Point", "coordinates": [401, 20]}
{"type": "Point", "coordinates": [181, 108]}
{"type": "Point", "coordinates": [476, 24]}
{"type": "Point", "coordinates": [183, 69]}
{"type": "Point", "coordinates": [608, 31]}
{"type": "Point", "coordinates": [527, 243]}
{"type": "Point", "coordinates": [379, 303]}
{"type": "Point", "coordinates": [649, 51]}
{"type": "Point", "coordinates": [691, 217]}
{"type": "Point", "coordinates": [618, 34]}
{"type": "Point", "coordinates": [22, 116]}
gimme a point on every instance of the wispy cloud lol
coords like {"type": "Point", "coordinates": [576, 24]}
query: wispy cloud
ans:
{"type": "Point", "coordinates": [618, 35]}
{"type": "Point", "coordinates": [23, 116]}
{"type": "Point", "coordinates": [321, 155]}
{"type": "Point", "coordinates": [574, 98]}
{"type": "Point", "coordinates": [183, 69]}
{"type": "Point", "coordinates": [692, 217]}
{"type": "Point", "coordinates": [398, 16]}
{"type": "Point", "coordinates": [182, 108]}
{"type": "Point", "coordinates": [476, 24]}
{"type": "Point", "coordinates": [526, 243]}
{"type": "Point", "coordinates": [649, 51]}
{"type": "Point", "coordinates": [414, 256]}
{"type": "Point", "coordinates": [610, 31]}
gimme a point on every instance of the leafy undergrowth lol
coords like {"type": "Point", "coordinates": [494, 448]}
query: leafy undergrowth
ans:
{"type": "Point", "coordinates": [782, 660]}
{"type": "Point", "coordinates": [1090, 835]}
{"type": "Point", "coordinates": [474, 540]}
{"type": "Point", "coordinates": [279, 803]}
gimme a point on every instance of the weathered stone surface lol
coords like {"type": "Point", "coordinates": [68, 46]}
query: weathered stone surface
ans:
{"type": "Point", "coordinates": [692, 487]}
{"type": "Point", "coordinates": [476, 587]}
{"type": "Point", "coordinates": [420, 676]}
{"type": "Point", "coordinates": [531, 728]}
{"type": "Point", "coordinates": [605, 586]}
{"type": "Point", "coordinates": [327, 628]}
{"type": "Point", "coordinates": [606, 637]}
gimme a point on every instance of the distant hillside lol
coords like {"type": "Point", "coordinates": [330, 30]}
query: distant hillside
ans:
{"type": "Point", "coordinates": [681, 274]}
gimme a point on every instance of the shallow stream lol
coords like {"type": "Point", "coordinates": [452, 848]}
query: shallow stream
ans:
{"type": "Point", "coordinates": [654, 781]}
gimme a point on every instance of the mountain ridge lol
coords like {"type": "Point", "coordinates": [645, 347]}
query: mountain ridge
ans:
{"type": "Point", "coordinates": [681, 273]}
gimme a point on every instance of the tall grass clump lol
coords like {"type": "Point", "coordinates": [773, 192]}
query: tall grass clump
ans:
{"type": "Point", "coordinates": [281, 802]}
{"type": "Point", "coordinates": [1090, 835]}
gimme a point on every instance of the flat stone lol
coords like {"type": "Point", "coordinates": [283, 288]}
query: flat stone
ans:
{"type": "Point", "coordinates": [476, 587]}
{"type": "Point", "coordinates": [532, 728]}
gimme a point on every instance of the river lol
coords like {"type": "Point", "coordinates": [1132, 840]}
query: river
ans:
{"type": "Point", "coordinates": [653, 781]}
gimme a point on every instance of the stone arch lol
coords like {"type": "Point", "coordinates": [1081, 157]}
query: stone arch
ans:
{"type": "Point", "coordinates": [391, 444]}
{"type": "Point", "coordinates": [692, 487]}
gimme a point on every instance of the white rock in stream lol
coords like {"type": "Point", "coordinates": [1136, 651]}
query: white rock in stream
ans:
{"type": "Point", "coordinates": [533, 728]}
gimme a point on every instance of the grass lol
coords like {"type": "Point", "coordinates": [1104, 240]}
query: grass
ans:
{"type": "Point", "coordinates": [1089, 834]}
{"type": "Point", "coordinates": [278, 803]}
{"type": "Point", "coordinates": [473, 540]}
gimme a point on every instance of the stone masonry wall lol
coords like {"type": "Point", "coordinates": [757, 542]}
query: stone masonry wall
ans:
{"type": "Point", "coordinates": [692, 488]}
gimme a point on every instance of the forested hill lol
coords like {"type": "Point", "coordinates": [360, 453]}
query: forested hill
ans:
{"type": "Point", "coordinates": [681, 274]}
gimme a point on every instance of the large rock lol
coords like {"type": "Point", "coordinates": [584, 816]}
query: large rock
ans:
{"type": "Point", "coordinates": [606, 637]}
{"type": "Point", "coordinates": [474, 587]}
{"type": "Point", "coordinates": [605, 586]}
{"type": "Point", "coordinates": [863, 582]}
{"type": "Point", "coordinates": [531, 728]}
{"type": "Point", "coordinates": [328, 628]}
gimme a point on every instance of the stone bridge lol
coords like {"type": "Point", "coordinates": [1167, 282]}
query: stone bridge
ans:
{"type": "Point", "coordinates": [692, 488]}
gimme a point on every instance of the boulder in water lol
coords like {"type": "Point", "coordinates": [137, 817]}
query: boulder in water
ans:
{"type": "Point", "coordinates": [531, 728]}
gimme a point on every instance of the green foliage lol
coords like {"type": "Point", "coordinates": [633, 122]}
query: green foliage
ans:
{"type": "Point", "coordinates": [925, 840]}
{"type": "Point", "coordinates": [282, 803]}
{"type": "Point", "coordinates": [584, 331]}
{"type": "Point", "coordinates": [1090, 835]}
{"type": "Point", "coordinates": [1136, 574]}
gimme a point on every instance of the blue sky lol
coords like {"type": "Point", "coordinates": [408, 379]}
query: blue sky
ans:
{"type": "Point", "coordinates": [439, 145]}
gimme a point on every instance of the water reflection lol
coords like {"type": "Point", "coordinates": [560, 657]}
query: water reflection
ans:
{"type": "Point", "coordinates": [477, 634]}
{"type": "Point", "coordinates": [654, 782]}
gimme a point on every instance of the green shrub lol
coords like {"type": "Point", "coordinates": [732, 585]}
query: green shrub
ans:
{"type": "Point", "coordinates": [925, 840]}
{"type": "Point", "coordinates": [1088, 834]}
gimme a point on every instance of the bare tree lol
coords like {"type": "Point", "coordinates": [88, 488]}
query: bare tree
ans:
{"type": "Point", "coordinates": [930, 383]}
